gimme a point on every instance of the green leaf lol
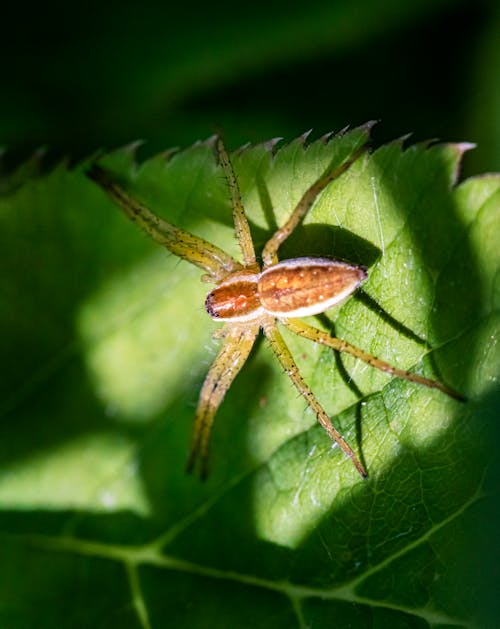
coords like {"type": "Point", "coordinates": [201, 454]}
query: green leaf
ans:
{"type": "Point", "coordinates": [106, 342]}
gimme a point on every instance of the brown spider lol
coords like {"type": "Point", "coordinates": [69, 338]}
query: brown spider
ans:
{"type": "Point", "coordinates": [249, 297]}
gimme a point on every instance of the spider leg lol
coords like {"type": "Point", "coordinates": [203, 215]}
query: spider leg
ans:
{"type": "Point", "coordinates": [241, 225]}
{"type": "Point", "coordinates": [270, 251]}
{"type": "Point", "coordinates": [284, 356]}
{"type": "Point", "coordinates": [196, 250]}
{"type": "Point", "coordinates": [238, 342]}
{"type": "Point", "coordinates": [313, 334]}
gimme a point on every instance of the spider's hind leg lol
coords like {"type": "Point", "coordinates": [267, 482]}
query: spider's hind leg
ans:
{"type": "Point", "coordinates": [237, 344]}
{"type": "Point", "coordinates": [284, 356]}
{"type": "Point", "coordinates": [318, 336]}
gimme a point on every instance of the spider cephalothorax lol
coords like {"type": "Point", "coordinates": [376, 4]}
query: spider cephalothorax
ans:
{"type": "Point", "coordinates": [249, 297]}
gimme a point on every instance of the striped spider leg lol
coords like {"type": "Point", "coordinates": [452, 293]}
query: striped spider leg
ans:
{"type": "Point", "coordinates": [249, 297]}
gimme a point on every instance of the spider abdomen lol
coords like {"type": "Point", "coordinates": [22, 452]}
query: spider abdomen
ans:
{"type": "Point", "coordinates": [307, 286]}
{"type": "Point", "coordinates": [291, 288]}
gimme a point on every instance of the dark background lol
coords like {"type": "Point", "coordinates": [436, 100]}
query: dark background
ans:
{"type": "Point", "coordinates": [77, 77]}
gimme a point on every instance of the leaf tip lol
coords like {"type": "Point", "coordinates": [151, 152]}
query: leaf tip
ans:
{"type": "Point", "coordinates": [209, 142]}
{"type": "Point", "coordinates": [302, 139]}
{"type": "Point", "coordinates": [460, 148]}
{"type": "Point", "coordinates": [132, 147]}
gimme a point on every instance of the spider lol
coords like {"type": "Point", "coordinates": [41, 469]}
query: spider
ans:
{"type": "Point", "coordinates": [249, 297]}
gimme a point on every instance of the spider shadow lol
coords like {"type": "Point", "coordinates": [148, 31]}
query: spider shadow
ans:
{"type": "Point", "coordinates": [333, 241]}
{"type": "Point", "coordinates": [330, 241]}
{"type": "Point", "coordinates": [350, 383]}
{"type": "Point", "coordinates": [320, 241]}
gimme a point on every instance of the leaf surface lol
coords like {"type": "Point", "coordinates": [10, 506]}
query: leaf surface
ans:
{"type": "Point", "coordinates": [106, 342]}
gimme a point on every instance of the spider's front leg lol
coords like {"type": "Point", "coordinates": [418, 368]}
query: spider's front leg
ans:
{"type": "Point", "coordinates": [241, 226]}
{"type": "Point", "coordinates": [237, 344]}
{"type": "Point", "coordinates": [270, 251]}
{"type": "Point", "coordinates": [284, 356]}
{"type": "Point", "coordinates": [203, 254]}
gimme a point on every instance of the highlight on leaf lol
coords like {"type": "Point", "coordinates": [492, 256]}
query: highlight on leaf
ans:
{"type": "Point", "coordinates": [249, 297]}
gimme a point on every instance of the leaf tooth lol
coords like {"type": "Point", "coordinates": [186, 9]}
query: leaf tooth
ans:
{"type": "Point", "coordinates": [461, 148]}
{"type": "Point", "coordinates": [131, 148]}
{"type": "Point", "coordinates": [241, 149]}
{"type": "Point", "coordinates": [167, 154]}
{"type": "Point", "coordinates": [271, 144]}
{"type": "Point", "coordinates": [325, 138]}
{"type": "Point", "coordinates": [427, 144]}
{"type": "Point", "coordinates": [304, 137]}
{"type": "Point", "coordinates": [210, 141]}
{"type": "Point", "coordinates": [401, 142]}
{"type": "Point", "coordinates": [366, 127]}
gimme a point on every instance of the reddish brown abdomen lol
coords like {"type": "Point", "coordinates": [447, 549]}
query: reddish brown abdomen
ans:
{"type": "Point", "coordinates": [306, 286]}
